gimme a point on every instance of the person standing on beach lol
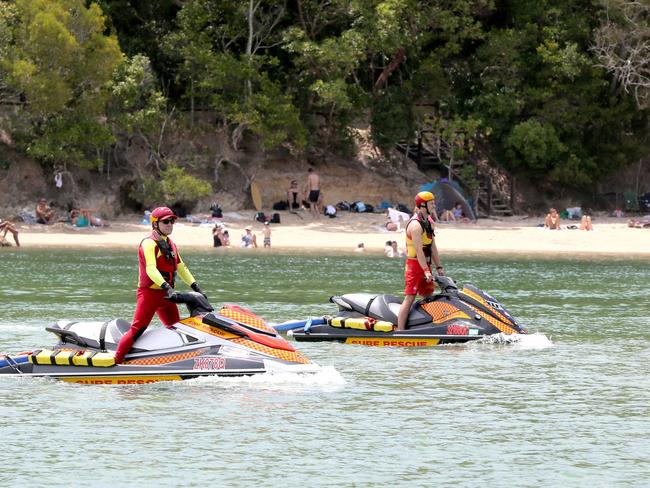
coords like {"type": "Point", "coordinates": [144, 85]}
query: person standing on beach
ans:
{"type": "Point", "coordinates": [313, 192]}
{"type": "Point", "coordinates": [158, 263]}
{"type": "Point", "coordinates": [421, 251]}
{"type": "Point", "coordinates": [266, 232]}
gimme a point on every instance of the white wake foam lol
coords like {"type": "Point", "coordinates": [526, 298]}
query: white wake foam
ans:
{"type": "Point", "coordinates": [519, 341]}
{"type": "Point", "coordinates": [319, 376]}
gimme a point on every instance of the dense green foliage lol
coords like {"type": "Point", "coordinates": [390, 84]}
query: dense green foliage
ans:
{"type": "Point", "coordinates": [175, 187]}
{"type": "Point", "coordinates": [516, 82]}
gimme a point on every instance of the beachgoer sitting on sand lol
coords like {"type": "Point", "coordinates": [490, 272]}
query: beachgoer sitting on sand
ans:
{"type": "Point", "coordinates": [639, 223]}
{"type": "Point", "coordinates": [455, 214]}
{"type": "Point", "coordinates": [44, 214]}
{"type": "Point", "coordinates": [84, 218]}
{"type": "Point", "coordinates": [9, 227]}
{"type": "Point", "coordinates": [585, 222]}
{"type": "Point", "coordinates": [447, 216]}
{"type": "Point", "coordinates": [552, 220]}
{"type": "Point", "coordinates": [248, 240]}
{"type": "Point", "coordinates": [396, 217]}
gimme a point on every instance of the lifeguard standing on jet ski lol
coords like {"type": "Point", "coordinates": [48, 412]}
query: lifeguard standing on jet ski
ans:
{"type": "Point", "coordinates": [159, 262]}
{"type": "Point", "coordinates": [421, 251]}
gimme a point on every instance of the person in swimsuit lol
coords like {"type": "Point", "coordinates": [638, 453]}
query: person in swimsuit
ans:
{"type": "Point", "coordinates": [44, 214]}
{"type": "Point", "coordinates": [217, 236]}
{"type": "Point", "coordinates": [266, 231]}
{"type": "Point", "coordinates": [9, 227]}
{"type": "Point", "coordinates": [249, 239]}
{"type": "Point", "coordinates": [158, 263]}
{"type": "Point", "coordinates": [585, 222]}
{"type": "Point", "coordinates": [421, 251]}
{"type": "Point", "coordinates": [313, 192]}
{"type": "Point", "coordinates": [292, 196]}
{"type": "Point", "coordinates": [552, 220]}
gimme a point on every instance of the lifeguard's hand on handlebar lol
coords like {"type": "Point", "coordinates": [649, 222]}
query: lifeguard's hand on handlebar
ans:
{"type": "Point", "coordinates": [171, 293]}
{"type": "Point", "coordinates": [195, 286]}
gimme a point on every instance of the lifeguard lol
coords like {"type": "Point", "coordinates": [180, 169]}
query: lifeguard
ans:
{"type": "Point", "coordinates": [421, 251]}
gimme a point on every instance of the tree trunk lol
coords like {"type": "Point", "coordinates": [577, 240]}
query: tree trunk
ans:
{"type": "Point", "coordinates": [392, 66]}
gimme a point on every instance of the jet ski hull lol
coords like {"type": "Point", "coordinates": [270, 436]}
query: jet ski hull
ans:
{"type": "Point", "coordinates": [405, 338]}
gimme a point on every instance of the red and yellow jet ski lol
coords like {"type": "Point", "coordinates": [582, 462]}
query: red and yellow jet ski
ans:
{"type": "Point", "coordinates": [451, 316]}
{"type": "Point", "coordinates": [232, 342]}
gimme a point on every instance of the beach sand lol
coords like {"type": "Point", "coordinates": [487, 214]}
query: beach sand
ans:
{"type": "Point", "coordinates": [298, 232]}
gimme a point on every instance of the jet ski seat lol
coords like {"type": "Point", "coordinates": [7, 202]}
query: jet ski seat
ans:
{"type": "Point", "coordinates": [117, 328]}
{"type": "Point", "coordinates": [386, 307]}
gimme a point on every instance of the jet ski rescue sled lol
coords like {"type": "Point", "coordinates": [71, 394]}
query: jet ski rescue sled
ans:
{"type": "Point", "coordinates": [233, 342]}
{"type": "Point", "coordinates": [451, 316]}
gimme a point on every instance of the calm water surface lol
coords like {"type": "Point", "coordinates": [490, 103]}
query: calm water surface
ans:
{"type": "Point", "coordinates": [567, 406]}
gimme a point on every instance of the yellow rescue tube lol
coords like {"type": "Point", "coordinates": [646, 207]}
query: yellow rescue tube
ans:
{"type": "Point", "coordinates": [72, 358]}
{"type": "Point", "coordinates": [361, 323]}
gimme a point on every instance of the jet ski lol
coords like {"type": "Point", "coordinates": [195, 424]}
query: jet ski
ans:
{"type": "Point", "coordinates": [232, 342]}
{"type": "Point", "coordinates": [452, 316]}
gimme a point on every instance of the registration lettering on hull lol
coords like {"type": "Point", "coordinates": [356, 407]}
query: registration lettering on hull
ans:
{"type": "Point", "coordinates": [391, 342]}
{"type": "Point", "coordinates": [117, 380]}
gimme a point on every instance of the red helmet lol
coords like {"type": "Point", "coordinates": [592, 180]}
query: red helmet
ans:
{"type": "Point", "coordinates": [162, 213]}
{"type": "Point", "coordinates": [423, 197]}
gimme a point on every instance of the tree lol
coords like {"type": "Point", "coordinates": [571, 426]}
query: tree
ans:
{"type": "Point", "coordinates": [549, 109]}
{"type": "Point", "coordinates": [622, 48]}
{"type": "Point", "coordinates": [137, 108]}
{"type": "Point", "coordinates": [222, 48]}
{"type": "Point", "coordinates": [59, 62]}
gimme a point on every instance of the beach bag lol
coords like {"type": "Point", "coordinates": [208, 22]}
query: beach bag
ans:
{"type": "Point", "coordinates": [260, 217]}
{"type": "Point", "coordinates": [344, 205]}
{"type": "Point", "coordinates": [275, 218]}
{"type": "Point", "coordinates": [281, 205]}
{"type": "Point", "coordinates": [369, 208]}
{"type": "Point", "coordinates": [330, 211]}
{"type": "Point", "coordinates": [358, 206]}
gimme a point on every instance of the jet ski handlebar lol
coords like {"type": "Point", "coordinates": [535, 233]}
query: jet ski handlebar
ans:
{"type": "Point", "coordinates": [446, 284]}
{"type": "Point", "coordinates": [196, 303]}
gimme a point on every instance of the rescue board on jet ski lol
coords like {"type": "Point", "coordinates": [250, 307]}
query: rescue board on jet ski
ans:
{"type": "Point", "coordinates": [69, 357]}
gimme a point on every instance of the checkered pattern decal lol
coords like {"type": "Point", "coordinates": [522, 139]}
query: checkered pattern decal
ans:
{"type": "Point", "coordinates": [442, 311]}
{"type": "Point", "coordinates": [500, 324]}
{"type": "Point", "coordinates": [292, 356]}
{"type": "Point", "coordinates": [506, 329]}
{"type": "Point", "coordinates": [243, 316]}
{"type": "Point", "coordinates": [167, 359]}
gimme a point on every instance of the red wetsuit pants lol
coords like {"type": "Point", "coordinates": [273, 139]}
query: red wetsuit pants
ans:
{"type": "Point", "coordinates": [149, 302]}
{"type": "Point", "coordinates": [414, 280]}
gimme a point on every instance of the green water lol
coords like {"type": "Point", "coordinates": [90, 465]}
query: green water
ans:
{"type": "Point", "coordinates": [567, 406]}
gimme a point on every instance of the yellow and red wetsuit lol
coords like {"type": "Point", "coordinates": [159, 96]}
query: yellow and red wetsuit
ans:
{"type": "Point", "coordinates": [414, 279]}
{"type": "Point", "coordinates": [155, 268]}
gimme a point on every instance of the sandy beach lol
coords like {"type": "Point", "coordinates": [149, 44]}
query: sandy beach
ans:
{"type": "Point", "coordinates": [298, 232]}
